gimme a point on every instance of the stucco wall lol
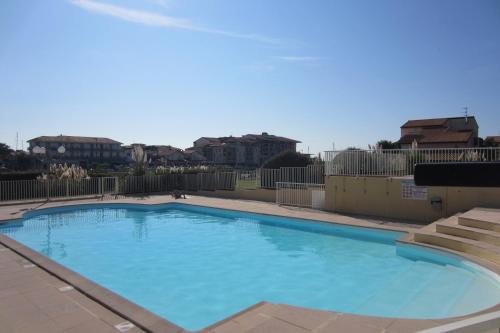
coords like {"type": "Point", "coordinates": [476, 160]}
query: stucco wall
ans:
{"type": "Point", "coordinates": [380, 196]}
{"type": "Point", "coordinates": [258, 194]}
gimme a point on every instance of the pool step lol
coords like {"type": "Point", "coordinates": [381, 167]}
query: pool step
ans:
{"type": "Point", "coordinates": [448, 286]}
{"type": "Point", "coordinates": [481, 218]}
{"type": "Point", "coordinates": [394, 296]}
{"type": "Point", "coordinates": [478, 248]}
{"type": "Point", "coordinates": [452, 227]}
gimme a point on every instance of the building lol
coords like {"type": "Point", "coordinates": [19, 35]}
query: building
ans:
{"type": "Point", "coordinates": [455, 132]}
{"type": "Point", "coordinates": [492, 141]}
{"type": "Point", "coordinates": [165, 155]}
{"type": "Point", "coordinates": [76, 149]}
{"type": "Point", "coordinates": [248, 150]}
{"type": "Point", "coordinates": [194, 156]}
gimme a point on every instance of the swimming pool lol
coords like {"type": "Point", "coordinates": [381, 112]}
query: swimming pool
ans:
{"type": "Point", "coordinates": [195, 265]}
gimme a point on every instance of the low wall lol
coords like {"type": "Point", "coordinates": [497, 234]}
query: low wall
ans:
{"type": "Point", "coordinates": [381, 196]}
{"type": "Point", "coordinates": [257, 195]}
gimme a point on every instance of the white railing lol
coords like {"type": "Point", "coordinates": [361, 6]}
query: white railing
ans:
{"type": "Point", "coordinates": [268, 178]}
{"type": "Point", "coordinates": [170, 182]}
{"type": "Point", "coordinates": [488, 322]}
{"type": "Point", "coordinates": [300, 194]}
{"type": "Point", "coordinates": [247, 179]}
{"type": "Point", "coordinates": [41, 190]}
{"type": "Point", "coordinates": [312, 174]}
{"type": "Point", "coordinates": [400, 162]}
{"type": "Point", "coordinates": [18, 190]}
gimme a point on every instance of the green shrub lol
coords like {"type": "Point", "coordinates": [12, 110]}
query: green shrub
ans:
{"type": "Point", "coordinates": [287, 159]}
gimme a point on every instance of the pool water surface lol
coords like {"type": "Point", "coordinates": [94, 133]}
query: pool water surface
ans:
{"type": "Point", "coordinates": [195, 265]}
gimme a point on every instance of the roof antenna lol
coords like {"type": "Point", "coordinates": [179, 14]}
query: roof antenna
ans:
{"type": "Point", "coordinates": [466, 112]}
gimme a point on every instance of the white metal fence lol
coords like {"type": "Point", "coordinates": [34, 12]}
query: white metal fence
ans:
{"type": "Point", "coordinates": [300, 194]}
{"type": "Point", "coordinates": [267, 178]}
{"type": "Point", "coordinates": [400, 162]}
{"type": "Point", "coordinates": [312, 174]}
{"type": "Point", "coordinates": [37, 190]}
{"type": "Point", "coordinates": [17, 190]}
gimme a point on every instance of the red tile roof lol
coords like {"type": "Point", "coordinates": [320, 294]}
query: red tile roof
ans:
{"type": "Point", "coordinates": [446, 137]}
{"type": "Point", "coordinates": [425, 122]}
{"type": "Point", "coordinates": [430, 122]}
{"type": "Point", "coordinates": [437, 136]}
{"type": "Point", "coordinates": [73, 139]}
{"type": "Point", "coordinates": [495, 139]}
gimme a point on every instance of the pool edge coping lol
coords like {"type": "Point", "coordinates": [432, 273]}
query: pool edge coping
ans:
{"type": "Point", "coordinates": [150, 322]}
{"type": "Point", "coordinates": [139, 316]}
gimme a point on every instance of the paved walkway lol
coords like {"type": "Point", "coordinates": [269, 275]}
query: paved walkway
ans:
{"type": "Point", "coordinates": [32, 300]}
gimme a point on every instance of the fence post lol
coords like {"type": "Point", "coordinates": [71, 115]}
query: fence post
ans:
{"type": "Point", "coordinates": [67, 187]}
{"type": "Point", "coordinates": [100, 186]}
{"type": "Point", "coordinates": [48, 189]}
{"type": "Point", "coordinates": [117, 185]}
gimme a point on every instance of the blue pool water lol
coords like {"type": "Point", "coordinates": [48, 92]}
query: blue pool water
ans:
{"type": "Point", "coordinates": [195, 266]}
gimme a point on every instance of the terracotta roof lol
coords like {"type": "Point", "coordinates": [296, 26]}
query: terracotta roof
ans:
{"type": "Point", "coordinates": [425, 122]}
{"type": "Point", "coordinates": [73, 139]}
{"type": "Point", "coordinates": [430, 122]}
{"type": "Point", "coordinates": [446, 136]}
{"type": "Point", "coordinates": [265, 136]}
{"type": "Point", "coordinates": [247, 138]}
{"type": "Point", "coordinates": [211, 140]}
{"type": "Point", "coordinates": [495, 139]}
{"type": "Point", "coordinates": [437, 136]}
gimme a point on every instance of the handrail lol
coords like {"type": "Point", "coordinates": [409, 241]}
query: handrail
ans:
{"type": "Point", "coordinates": [400, 162]}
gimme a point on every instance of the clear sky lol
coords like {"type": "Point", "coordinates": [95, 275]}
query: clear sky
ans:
{"type": "Point", "coordinates": [170, 71]}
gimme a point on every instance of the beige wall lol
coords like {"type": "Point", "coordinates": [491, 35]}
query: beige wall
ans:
{"type": "Point", "coordinates": [258, 194]}
{"type": "Point", "coordinates": [380, 196]}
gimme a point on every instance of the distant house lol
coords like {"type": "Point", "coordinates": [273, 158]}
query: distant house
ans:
{"type": "Point", "coordinates": [492, 141]}
{"type": "Point", "coordinates": [194, 156]}
{"type": "Point", "coordinates": [248, 150]}
{"type": "Point", "coordinates": [440, 133]}
{"type": "Point", "coordinates": [76, 149]}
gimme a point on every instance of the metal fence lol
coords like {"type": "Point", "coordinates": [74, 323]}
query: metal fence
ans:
{"type": "Point", "coordinates": [17, 190]}
{"type": "Point", "coordinates": [170, 182]}
{"type": "Point", "coordinates": [269, 177]}
{"type": "Point", "coordinates": [300, 194]}
{"type": "Point", "coordinates": [400, 162]}
{"type": "Point", "coordinates": [37, 190]}
{"type": "Point", "coordinates": [312, 174]}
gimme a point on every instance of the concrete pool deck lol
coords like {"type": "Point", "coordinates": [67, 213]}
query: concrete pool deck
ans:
{"type": "Point", "coordinates": [31, 299]}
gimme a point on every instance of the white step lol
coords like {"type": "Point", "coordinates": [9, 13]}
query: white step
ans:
{"type": "Point", "coordinates": [470, 246]}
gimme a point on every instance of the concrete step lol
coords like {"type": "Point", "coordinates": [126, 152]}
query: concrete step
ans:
{"type": "Point", "coordinates": [481, 218]}
{"type": "Point", "coordinates": [451, 227]}
{"type": "Point", "coordinates": [477, 248]}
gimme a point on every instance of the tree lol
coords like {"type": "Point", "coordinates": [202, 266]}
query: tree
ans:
{"type": "Point", "coordinates": [388, 144]}
{"type": "Point", "coordinates": [140, 158]}
{"type": "Point", "coordinates": [287, 159]}
{"type": "Point", "coordinates": [4, 150]}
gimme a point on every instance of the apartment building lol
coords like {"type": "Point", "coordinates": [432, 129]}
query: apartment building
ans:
{"type": "Point", "coordinates": [248, 150]}
{"type": "Point", "coordinates": [76, 149]}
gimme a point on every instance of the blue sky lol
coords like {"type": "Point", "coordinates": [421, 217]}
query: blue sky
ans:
{"type": "Point", "coordinates": [170, 71]}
